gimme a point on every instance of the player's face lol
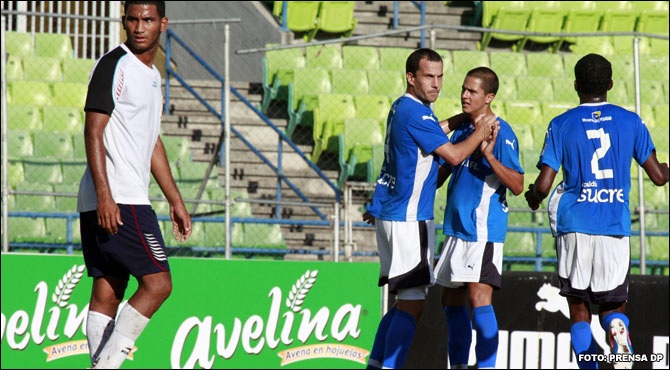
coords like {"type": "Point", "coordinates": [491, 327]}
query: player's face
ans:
{"type": "Point", "coordinates": [473, 98]}
{"type": "Point", "coordinates": [427, 82]}
{"type": "Point", "coordinates": [143, 27]}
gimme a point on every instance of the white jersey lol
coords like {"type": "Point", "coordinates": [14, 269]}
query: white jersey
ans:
{"type": "Point", "coordinates": [130, 92]}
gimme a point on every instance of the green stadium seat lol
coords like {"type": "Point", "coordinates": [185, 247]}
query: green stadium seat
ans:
{"type": "Point", "coordinates": [266, 236]}
{"type": "Point", "coordinates": [238, 208]}
{"type": "Point", "coordinates": [192, 174]}
{"type": "Point", "coordinates": [594, 44]}
{"type": "Point", "coordinates": [544, 19]}
{"type": "Point", "coordinates": [349, 81]}
{"type": "Point", "coordinates": [623, 68]}
{"type": "Point", "coordinates": [447, 62]}
{"type": "Point", "coordinates": [655, 68]}
{"type": "Point", "coordinates": [69, 94]}
{"type": "Point", "coordinates": [388, 83]}
{"type": "Point", "coordinates": [302, 96]}
{"type": "Point", "coordinates": [510, 19]}
{"type": "Point", "coordinates": [77, 69]}
{"type": "Point", "coordinates": [393, 58]}
{"type": "Point", "coordinates": [465, 60]}
{"type": "Point", "coordinates": [67, 119]}
{"type": "Point", "coordinates": [79, 146]}
{"type": "Point", "coordinates": [73, 170]}
{"type": "Point", "coordinates": [66, 199]}
{"type": "Point", "coordinates": [650, 5]}
{"type": "Point", "coordinates": [27, 230]}
{"type": "Point", "coordinates": [506, 89]}
{"type": "Point", "coordinates": [19, 44]}
{"type": "Point", "coordinates": [15, 174]}
{"type": "Point", "coordinates": [564, 89]}
{"type": "Point", "coordinates": [42, 199]}
{"type": "Point", "coordinates": [355, 148]}
{"type": "Point", "coordinates": [24, 117]}
{"type": "Point", "coordinates": [647, 114]}
{"type": "Point", "coordinates": [660, 137]}
{"type": "Point", "coordinates": [519, 244]}
{"type": "Point", "coordinates": [329, 116]}
{"type": "Point", "coordinates": [328, 56]}
{"type": "Point", "coordinates": [278, 68]}
{"type": "Point", "coordinates": [534, 88]}
{"type": "Point", "coordinates": [14, 68]}
{"type": "Point", "coordinates": [301, 16]}
{"type": "Point", "coordinates": [523, 112]}
{"type": "Point", "coordinates": [335, 17]}
{"type": "Point", "coordinates": [177, 148]}
{"type": "Point", "coordinates": [579, 21]}
{"type": "Point", "coordinates": [551, 109]}
{"type": "Point", "coordinates": [19, 144]}
{"type": "Point", "coordinates": [619, 93]}
{"type": "Point", "coordinates": [42, 170]}
{"type": "Point", "coordinates": [42, 69]}
{"type": "Point", "coordinates": [215, 234]}
{"type": "Point", "coordinates": [651, 92]}
{"type": "Point", "coordinates": [35, 93]}
{"type": "Point", "coordinates": [189, 193]}
{"type": "Point", "coordinates": [661, 115]}
{"type": "Point", "coordinates": [360, 57]}
{"type": "Point", "coordinates": [372, 106]}
{"type": "Point", "coordinates": [444, 108]}
{"type": "Point", "coordinates": [507, 63]}
{"type": "Point", "coordinates": [55, 45]}
{"type": "Point", "coordinates": [53, 144]}
{"type": "Point", "coordinates": [545, 65]}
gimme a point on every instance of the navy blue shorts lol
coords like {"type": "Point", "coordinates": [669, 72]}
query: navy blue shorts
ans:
{"type": "Point", "coordinates": [136, 249]}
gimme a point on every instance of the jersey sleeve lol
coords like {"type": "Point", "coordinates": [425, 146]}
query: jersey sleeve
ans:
{"type": "Point", "coordinates": [552, 152]}
{"type": "Point", "coordinates": [644, 145]}
{"type": "Point", "coordinates": [104, 80]}
{"type": "Point", "coordinates": [507, 150]}
{"type": "Point", "coordinates": [426, 131]}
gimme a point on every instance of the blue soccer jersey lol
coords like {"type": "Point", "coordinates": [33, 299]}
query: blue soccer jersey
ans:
{"type": "Point", "coordinates": [476, 209]}
{"type": "Point", "coordinates": [405, 189]}
{"type": "Point", "coordinates": [595, 145]}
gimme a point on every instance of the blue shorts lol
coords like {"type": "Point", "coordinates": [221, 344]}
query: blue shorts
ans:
{"type": "Point", "coordinates": [136, 249]}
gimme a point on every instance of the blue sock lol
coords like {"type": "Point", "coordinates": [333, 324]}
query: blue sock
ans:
{"type": "Point", "coordinates": [487, 336]}
{"type": "Point", "coordinates": [377, 352]}
{"type": "Point", "coordinates": [583, 343]}
{"type": "Point", "coordinates": [459, 334]}
{"type": "Point", "coordinates": [607, 320]}
{"type": "Point", "coordinates": [398, 339]}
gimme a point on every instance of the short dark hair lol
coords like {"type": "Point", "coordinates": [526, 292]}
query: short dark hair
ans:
{"type": "Point", "coordinates": [160, 6]}
{"type": "Point", "coordinates": [593, 74]}
{"type": "Point", "coordinates": [489, 79]}
{"type": "Point", "coordinates": [412, 64]}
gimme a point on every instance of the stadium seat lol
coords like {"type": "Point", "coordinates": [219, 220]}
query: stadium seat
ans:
{"type": "Point", "coordinates": [73, 169]}
{"type": "Point", "coordinates": [360, 57]}
{"type": "Point", "coordinates": [67, 203]}
{"type": "Point", "coordinates": [177, 148]}
{"type": "Point", "coordinates": [551, 109]}
{"type": "Point", "coordinates": [509, 19]}
{"type": "Point", "coordinates": [545, 64]}
{"type": "Point", "coordinates": [42, 69]}
{"type": "Point", "coordinates": [355, 146]}
{"type": "Point", "coordinates": [77, 69]}
{"type": "Point", "coordinates": [191, 195]}
{"type": "Point", "coordinates": [327, 56]}
{"type": "Point", "coordinates": [349, 81]}
{"type": "Point", "coordinates": [534, 88]}
{"type": "Point", "coordinates": [520, 244]}
{"type": "Point", "coordinates": [329, 116]}
{"type": "Point", "coordinates": [393, 58]}
{"type": "Point", "coordinates": [15, 174]}
{"type": "Point", "coordinates": [215, 234]}
{"type": "Point", "coordinates": [335, 17]}
{"type": "Point", "coordinates": [67, 119]}
{"type": "Point", "coordinates": [444, 108]}
{"type": "Point", "coordinates": [238, 208]}
{"type": "Point", "coordinates": [14, 68]}
{"type": "Point", "coordinates": [373, 106]}
{"type": "Point", "coordinates": [192, 174]}
{"type": "Point", "coordinates": [41, 198]}
{"type": "Point", "coordinates": [507, 63]}
{"type": "Point", "coordinates": [53, 144]}
{"type": "Point", "coordinates": [35, 93]}
{"type": "Point", "coordinates": [661, 115]}
{"type": "Point", "coordinates": [619, 93]}
{"type": "Point", "coordinates": [544, 19]}
{"type": "Point", "coordinates": [564, 89]}
{"type": "Point", "coordinates": [79, 146]}
{"type": "Point", "coordinates": [278, 68]}
{"type": "Point", "coordinates": [623, 68]}
{"type": "Point", "coordinates": [387, 83]}
{"type": "Point", "coordinates": [27, 230]}
{"type": "Point", "coordinates": [69, 94]}
{"type": "Point", "coordinates": [506, 89]}
{"type": "Point", "coordinates": [19, 44]}
{"type": "Point", "coordinates": [19, 144]}
{"type": "Point", "coordinates": [55, 45]}
{"type": "Point", "coordinates": [519, 112]}
{"type": "Point", "coordinates": [265, 236]}
{"type": "Point", "coordinates": [655, 68]}
{"type": "Point", "coordinates": [447, 62]}
{"type": "Point", "coordinates": [301, 16]}
{"type": "Point", "coordinates": [24, 117]}
{"type": "Point", "coordinates": [579, 21]}
{"type": "Point", "coordinates": [302, 92]}
{"type": "Point", "coordinates": [42, 170]}
{"type": "Point", "coordinates": [465, 60]}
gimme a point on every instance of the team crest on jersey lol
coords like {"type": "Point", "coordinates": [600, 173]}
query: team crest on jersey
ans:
{"type": "Point", "coordinates": [596, 115]}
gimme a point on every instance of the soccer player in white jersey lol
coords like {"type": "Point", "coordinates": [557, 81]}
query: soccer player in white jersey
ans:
{"type": "Point", "coordinates": [588, 210]}
{"type": "Point", "coordinates": [475, 225]}
{"type": "Point", "coordinates": [119, 229]}
{"type": "Point", "coordinates": [402, 203]}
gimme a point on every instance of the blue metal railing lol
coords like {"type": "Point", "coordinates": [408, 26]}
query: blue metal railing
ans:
{"type": "Point", "coordinates": [172, 36]}
{"type": "Point", "coordinates": [421, 5]}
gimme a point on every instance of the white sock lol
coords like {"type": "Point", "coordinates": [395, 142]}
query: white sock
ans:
{"type": "Point", "coordinates": [129, 325]}
{"type": "Point", "coordinates": [96, 335]}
